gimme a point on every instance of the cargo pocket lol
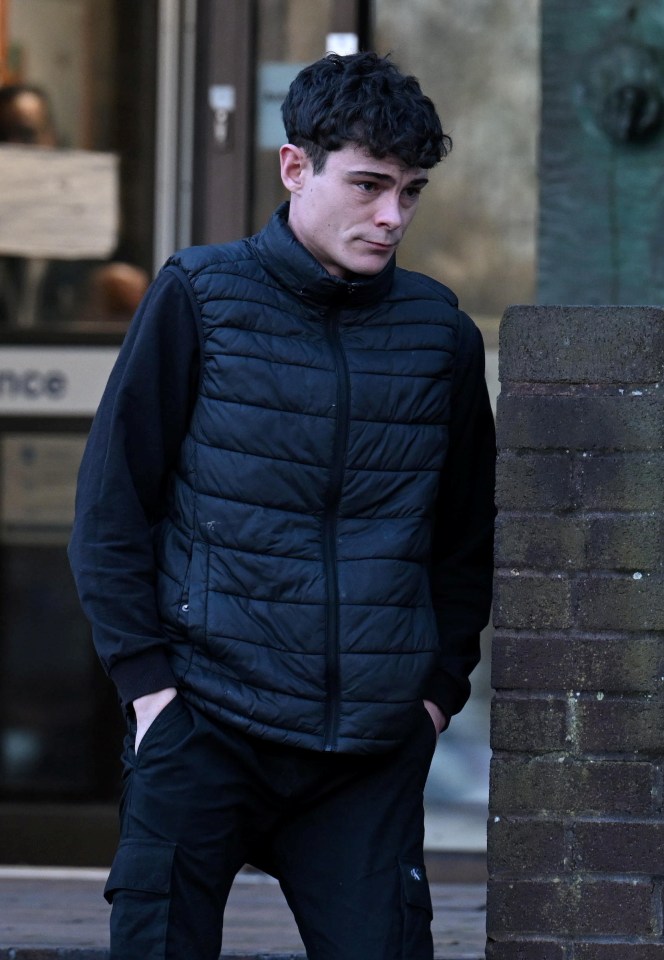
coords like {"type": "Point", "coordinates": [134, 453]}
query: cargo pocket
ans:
{"type": "Point", "coordinates": [417, 911]}
{"type": "Point", "coordinates": [139, 888]}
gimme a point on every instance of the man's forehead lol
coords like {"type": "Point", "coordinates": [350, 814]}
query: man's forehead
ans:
{"type": "Point", "coordinates": [358, 159]}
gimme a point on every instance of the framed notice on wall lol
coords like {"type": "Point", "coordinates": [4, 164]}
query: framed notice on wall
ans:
{"type": "Point", "coordinates": [38, 485]}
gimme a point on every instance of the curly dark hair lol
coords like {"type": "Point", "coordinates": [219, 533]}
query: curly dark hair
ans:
{"type": "Point", "coordinates": [363, 99]}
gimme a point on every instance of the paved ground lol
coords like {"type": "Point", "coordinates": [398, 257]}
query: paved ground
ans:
{"type": "Point", "coordinates": [60, 915]}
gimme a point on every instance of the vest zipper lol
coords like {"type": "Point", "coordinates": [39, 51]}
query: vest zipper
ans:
{"type": "Point", "coordinates": [332, 659]}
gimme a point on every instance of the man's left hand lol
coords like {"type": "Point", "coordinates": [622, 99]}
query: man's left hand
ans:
{"type": "Point", "coordinates": [437, 716]}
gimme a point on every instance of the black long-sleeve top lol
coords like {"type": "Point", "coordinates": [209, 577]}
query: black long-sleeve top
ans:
{"type": "Point", "coordinates": [134, 444]}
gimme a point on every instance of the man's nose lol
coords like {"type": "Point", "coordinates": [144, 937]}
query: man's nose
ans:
{"type": "Point", "coordinates": [389, 214]}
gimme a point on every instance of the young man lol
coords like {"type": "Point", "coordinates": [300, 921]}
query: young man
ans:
{"type": "Point", "coordinates": [283, 542]}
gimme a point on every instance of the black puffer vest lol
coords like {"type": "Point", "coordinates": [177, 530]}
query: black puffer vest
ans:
{"type": "Point", "coordinates": [293, 564]}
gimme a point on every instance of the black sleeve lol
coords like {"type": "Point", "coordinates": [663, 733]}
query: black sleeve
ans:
{"type": "Point", "coordinates": [462, 553]}
{"type": "Point", "coordinates": [133, 445]}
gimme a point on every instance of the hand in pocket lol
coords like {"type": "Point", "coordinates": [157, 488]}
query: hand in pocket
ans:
{"type": "Point", "coordinates": [148, 708]}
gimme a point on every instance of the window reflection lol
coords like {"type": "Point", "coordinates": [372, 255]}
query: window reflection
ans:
{"type": "Point", "coordinates": [72, 72]}
{"type": "Point", "coordinates": [77, 105]}
{"type": "Point", "coordinates": [291, 33]}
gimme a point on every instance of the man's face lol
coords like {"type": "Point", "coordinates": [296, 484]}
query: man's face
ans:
{"type": "Point", "coordinates": [25, 120]}
{"type": "Point", "coordinates": [354, 213]}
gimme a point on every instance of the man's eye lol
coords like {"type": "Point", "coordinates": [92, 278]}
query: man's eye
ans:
{"type": "Point", "coordinates": [367, 186]}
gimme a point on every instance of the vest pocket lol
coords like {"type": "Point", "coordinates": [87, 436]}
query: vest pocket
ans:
{"type": "Point", "coordinates": [194, 602]}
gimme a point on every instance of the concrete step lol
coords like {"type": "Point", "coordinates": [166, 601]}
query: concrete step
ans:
{"type": "Point", "coordinates": [60, 914]}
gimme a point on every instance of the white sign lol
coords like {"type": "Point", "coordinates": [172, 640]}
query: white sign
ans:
{"type": "Point", "coordinates": [274, 79]}
{"type": "Point", "coordinates": [58, 204]}
{"type": "Point", "coordinates": [342, 43]}
{"type": "Point", "coordinates": [53, 381]}
{"type": "Point", "coordinates": [221, 96]}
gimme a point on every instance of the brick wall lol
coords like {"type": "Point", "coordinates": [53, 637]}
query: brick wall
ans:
{"type": "Point", "coordinates": [576, 825]}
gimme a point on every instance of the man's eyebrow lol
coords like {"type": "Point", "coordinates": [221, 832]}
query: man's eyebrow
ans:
{"type": "Point", "coordinates": [386, 177]}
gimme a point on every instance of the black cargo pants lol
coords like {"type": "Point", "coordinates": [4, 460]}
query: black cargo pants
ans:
{"type": "Point", "coordinates": [342, 834]}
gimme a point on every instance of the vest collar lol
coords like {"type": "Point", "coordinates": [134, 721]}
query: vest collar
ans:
{"type": "Point", "coordinates": [291, 264]}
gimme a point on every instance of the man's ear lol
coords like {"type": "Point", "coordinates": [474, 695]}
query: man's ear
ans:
{"type": "Point", "coordinates": [293, 162]}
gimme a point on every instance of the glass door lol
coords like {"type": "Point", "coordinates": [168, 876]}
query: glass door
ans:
{"type": "Point", "coordinates": [142, 127]}
{"type": "Point", "coordinates": [77, 109]}
{"type": "Point", "coordinates": [79, 87]}
{"type": "Point", "coordinates": [291, 34]}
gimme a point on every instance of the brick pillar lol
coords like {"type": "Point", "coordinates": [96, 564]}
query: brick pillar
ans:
{"type": "Point", "coordinates": [576, 825]}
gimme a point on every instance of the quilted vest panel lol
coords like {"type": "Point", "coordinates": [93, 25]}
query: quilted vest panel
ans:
{"type": "Point", "coordinates": [293, 564]}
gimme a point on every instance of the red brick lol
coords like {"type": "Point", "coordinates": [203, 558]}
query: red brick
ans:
{"type": "Point", "coordinates": [619, 951]}
{"type": "Point", "coordinates": [620, 481]}
{"type": "Point", "coordinates": [561, 344]}
{"type": "Point", "coordinates": [540, 542]}
{"type": "Point", "coordinates": [535, 481]}
{"type": "Point", "coordinates": [620, 603]}
{"type": "Point", "coordinates": [580, 420]}
{"type": "Point", "coordinates": [525, 950]}
{"type": "Point", "coordinates": [569, 662]}
{"type": "Point", "coordinates": [525, 846]}
{"type": "Point", "coordinates": [619, 847]}
{"type": "Point", "coordinates": [571, 907]}
{"type": "Point", "coordinates": [627, 542]}
{"type": "Point", "coordinates": [533, 725]}
{"type": "Point", "coordinates": [544, 784]}
{"type": "Point", "coordinates": [620, 725]}
{"type": "Point", "coordinates": [531, 602]}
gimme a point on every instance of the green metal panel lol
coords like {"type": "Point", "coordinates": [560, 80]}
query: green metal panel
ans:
{"type": "Point", "coordinates": [601, 232]}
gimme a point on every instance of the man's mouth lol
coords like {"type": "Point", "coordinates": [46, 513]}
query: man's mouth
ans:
{"type": "Point", "coordinates": [379, 244]}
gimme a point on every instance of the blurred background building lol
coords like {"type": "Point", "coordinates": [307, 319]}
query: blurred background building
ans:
{"type": "Point", "coordinates": [177, 103]}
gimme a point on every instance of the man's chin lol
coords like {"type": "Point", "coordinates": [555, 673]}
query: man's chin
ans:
{"type": "Point", "coordinates": [371, 265]}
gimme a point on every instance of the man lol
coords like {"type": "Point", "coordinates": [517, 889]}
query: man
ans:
{"type": "Point", "coordinates": [283, 543]}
